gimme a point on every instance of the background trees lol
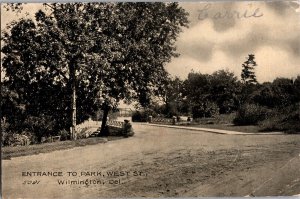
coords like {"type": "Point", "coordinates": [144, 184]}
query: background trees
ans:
{"type": "Point", "coordinates": [211, 94]}
{"type": "Point", "coordinates": [248, 75]}
{"type": "Point", "coordinates": [175, 104]}
{"type": "Point", "coordinates": [225, 90]}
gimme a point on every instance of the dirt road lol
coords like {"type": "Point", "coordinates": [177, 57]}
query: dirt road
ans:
{"type": "Point", "coordinates": [160, 162]}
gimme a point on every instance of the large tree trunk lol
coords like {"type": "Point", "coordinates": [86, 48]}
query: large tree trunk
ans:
{"type": "Point", "coordinates": [103, 130]}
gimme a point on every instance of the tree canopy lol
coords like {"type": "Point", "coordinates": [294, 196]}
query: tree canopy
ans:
{"type": "Point", "coordinates": [211, 94]}
{"type": "Point", "coordinates": [107, 51]}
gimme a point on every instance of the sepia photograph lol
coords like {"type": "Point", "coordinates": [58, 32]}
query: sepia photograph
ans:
{"type": "Point", "coordinates": [150, 99]}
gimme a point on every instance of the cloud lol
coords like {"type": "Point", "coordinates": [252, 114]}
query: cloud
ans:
{"type": "Point", "coordinates": [283, 7]}
{"type": "Point", "coordinates": [274, 62]}
{"type": "Point", "coordinates": [251, 41]}
{"type": "Point", "coordinates": [294, 45]}
{"type": "Point", "coordinates": [183, 65]}
{"type": "Point", "coordinates": [201, 52]}
{"type": "Point", "coordinates": [202, 11]}
{"type": "Point", "coordinates": [215, 43]}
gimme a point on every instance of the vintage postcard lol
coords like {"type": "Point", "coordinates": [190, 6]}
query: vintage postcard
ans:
{"type": "Point", "coordinates": [150, 99]}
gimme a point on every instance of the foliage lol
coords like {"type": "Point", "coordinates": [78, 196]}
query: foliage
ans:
{"type": "Point", "coordinates": [143, 115]}
{"type": "Point", "coordinates": [206, 109]}
{"type": "Point", "coordinates": [286, 119]}
{"type": "Point", "coordinates": [282, 92]}
{"type": "Point", "coordinates": [175, 104]}
{"type": "Point", "coordinates": [64, 135]}
{"type": "Point", "coordinates": [209, 95]}
{"type": "Point", "coordinates": [41, 126]}
{"type": "Point", "coordinates": [248, 75]}
{"type": "Point", "coordinates": [13, 139]}
{"type": "Point", "coordinates": [171, 109]}
{"type": "Point", "coordinates": [4, 130]}
{"type": "Point", "coordinates": [138, 116]}
{"type": "Point", "coordinates": [15, 7]}
{"type": "Point", "coordinates": [250, 114]}
{"type": "Point", "coordinates": [116, 50]}
{"type": "Point", "coordinates": [12, 112]}
{"type": "Point", "coordinates": [224, 90]}
{"type": "Point", "coordinates": [10, 138]}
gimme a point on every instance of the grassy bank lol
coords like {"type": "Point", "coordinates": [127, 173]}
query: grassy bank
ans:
{"type": "Point", "coordinates": [9, 152]}
{"type": "Point", "coordinates": [224, 122]}
{"type": "Point", "coordinates": [245, 129]}
{"type": "Point", "coordinates": [286, 121]}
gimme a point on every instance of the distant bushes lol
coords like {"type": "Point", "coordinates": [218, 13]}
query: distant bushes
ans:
{"type": "Point", "coordinates": [143, 116]}
{"type": "Point", "coordinates": [286, 119]}
{"type": "Point", "coordinates": [250, 114]}
{"type": "Point", "coordinates": [138, 116]}
{"type": "Point", "coordinates": [206, 109]}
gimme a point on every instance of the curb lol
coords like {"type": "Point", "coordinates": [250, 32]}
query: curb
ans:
{"type": "Point", "coordinates": [216, 131]}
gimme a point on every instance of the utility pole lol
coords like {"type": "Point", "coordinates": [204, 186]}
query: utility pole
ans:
{"type": "Point", "coordinates": [0, 93]}
{"type": "Point", "coordinates": [73, 100]}
{"type": "Point", "coordinates": [74, 109]}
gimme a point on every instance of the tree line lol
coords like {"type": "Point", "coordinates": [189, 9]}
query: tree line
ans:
{"type": "Point", "coordinates": [222, 92]}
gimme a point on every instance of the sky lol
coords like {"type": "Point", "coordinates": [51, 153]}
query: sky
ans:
{"type": "Point", "coordinates": [222, 34]}
{"type": "Point", "coordinates": [271, 31]}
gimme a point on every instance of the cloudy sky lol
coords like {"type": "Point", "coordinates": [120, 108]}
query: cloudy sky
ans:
{"type": "Point", "coordinates": [270, 30]}
{"type": "Point", "coordinates": [212, 43]}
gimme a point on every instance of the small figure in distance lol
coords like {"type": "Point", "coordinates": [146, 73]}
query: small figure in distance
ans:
{"type": "Point", "coordinates": [127, 129]}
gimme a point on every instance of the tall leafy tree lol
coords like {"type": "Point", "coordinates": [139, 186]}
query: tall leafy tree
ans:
{"type": "Point", "coordinates": [196, 89]}
{"type": "Point", "coordinates": [81, 52]}
{"type": "Point", "coordinates": [224, 90]}
{"type": "Point", "coordinates": [210, 94]}
{"type": "Point", "coordinates": [175, 103]}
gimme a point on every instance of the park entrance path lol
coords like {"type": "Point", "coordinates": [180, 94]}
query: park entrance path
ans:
{"type": "Point", "coordinates": [166, 162]}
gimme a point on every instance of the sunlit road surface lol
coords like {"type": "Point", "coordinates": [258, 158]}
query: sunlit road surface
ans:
{"type": "Point", "coordinates": [162, 162]}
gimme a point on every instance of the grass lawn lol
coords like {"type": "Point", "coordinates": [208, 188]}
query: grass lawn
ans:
{"type": "Point", "coordinates": [246, 129]}
{"type": "Point", "coordinates": [9, 152]}
{"type": "Point", "coordinates": [224, 122]}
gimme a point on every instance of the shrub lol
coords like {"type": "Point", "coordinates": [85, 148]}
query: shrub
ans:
{"type": "Point", "coordinates": [139, 116]}
{"type": "Point", "coordinates": [142, 116]}
{"type": "Point", "coordinates": [287, 120]}
{"type": "Point", "coordinates": [250, 114]}
{"type": "Point", "coordinates": [64, 134]}
{"type": "Point", "coordinates": [171, 109]}
{"type": "Point", "coordinates": [42, 126]}
{"type": "Point", "coordinates": [11, 138]}
{"type": "Point", "coordinates": [206, 109]}
{"type": "Point", "coordinates": [14, 139]}
{"type": "Point", "coordinates": [4, 128]}
{"type": "Point", "coordinates": [6, 138]}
